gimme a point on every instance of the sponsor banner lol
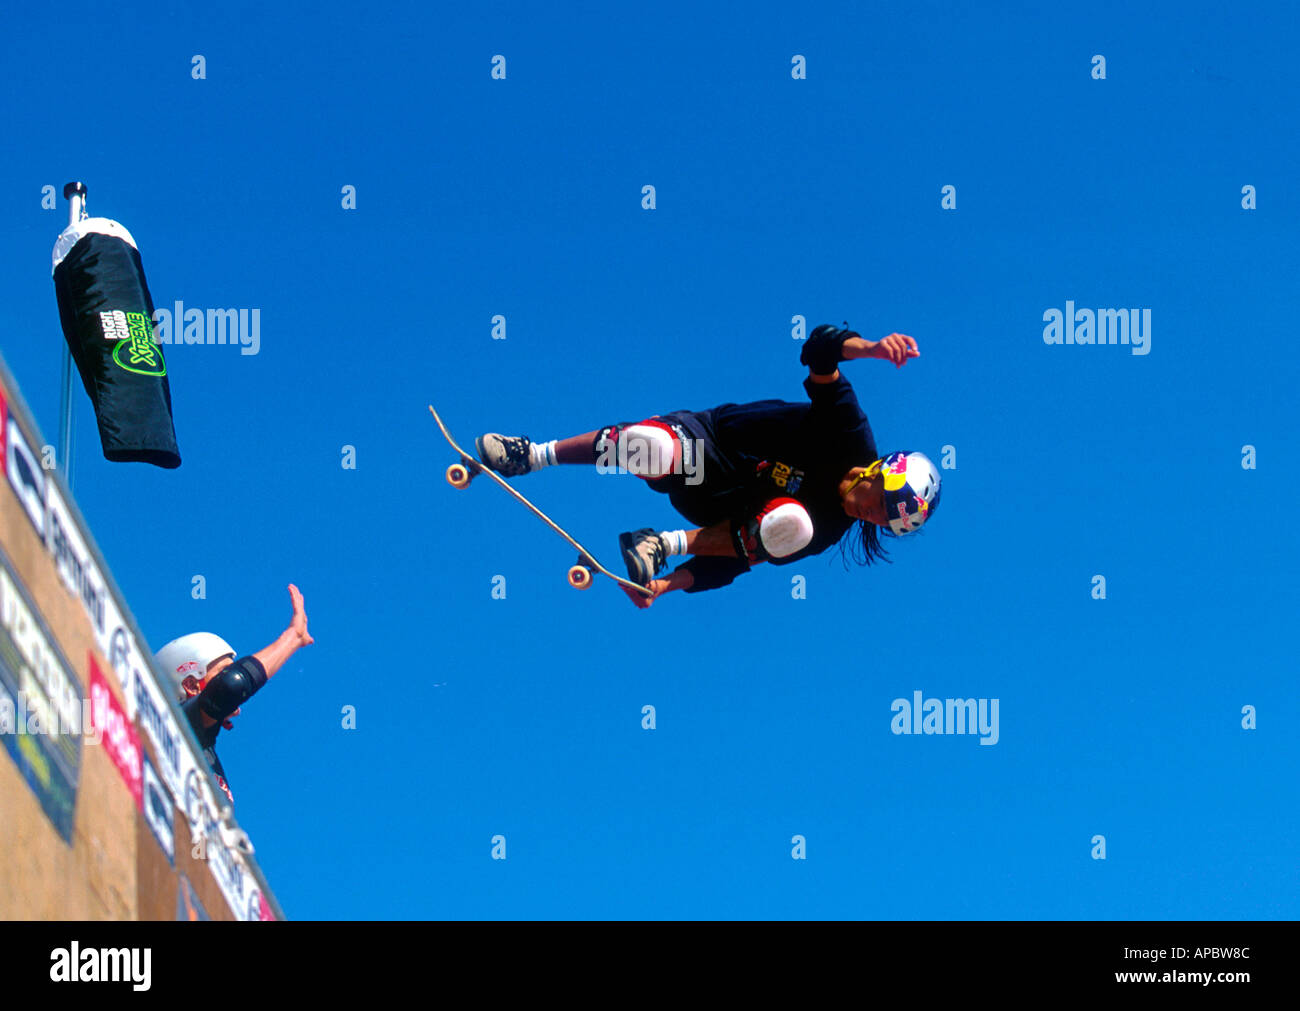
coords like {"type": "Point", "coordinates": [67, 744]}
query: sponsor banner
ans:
{"type": "Point", "coordinates": [73, 559]}
{"type": "Point", "coordinates": [4, 432]}
{"type": "Point", "coordinates": [117, 734]}
{"type": "Point", "coordinates": [159, 810]}
{"type": "Point", "coordinates": [45, 507]}
{"type": "Point", "coordinates": [75, 564]}
{"type": "Point", "coordinates": [219, 847]}
{"type": "Point", "coordinates": [25, 475]}
{"type": "Point", "coordinates": [44, 697]}
{"type": "Point", "coordinates": [159, 719]}
{"type": "Point", "coordinates": [107, 317]}
{"type": "Point", "coordinates": [188, 906]}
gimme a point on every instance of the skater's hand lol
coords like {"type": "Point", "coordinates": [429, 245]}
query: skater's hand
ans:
{"type": "Point", "coordinates": [299, 624]}
{"type": "Point", "coordinates": [641, 600]}
{"type": "Point", "coordinates": [896, 348]}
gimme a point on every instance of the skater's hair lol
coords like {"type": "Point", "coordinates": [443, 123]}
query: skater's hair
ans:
{"type": "Point", "coordinates": [863, 545]}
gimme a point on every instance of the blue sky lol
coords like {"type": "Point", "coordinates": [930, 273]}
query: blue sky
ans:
{"type": "Point", "coordinates": [775, 197]}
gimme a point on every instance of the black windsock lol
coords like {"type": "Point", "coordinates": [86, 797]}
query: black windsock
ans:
{"type": "Point", "coordinates": [107, 317]}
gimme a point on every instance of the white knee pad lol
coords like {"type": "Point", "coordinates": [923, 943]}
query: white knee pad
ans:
{"type": "Point", "coordinates": [648, 449]}
{"type": "Point", "coordinates": [785, 529]}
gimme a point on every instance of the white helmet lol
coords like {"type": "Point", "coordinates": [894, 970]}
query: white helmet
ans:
{"type": "Point", "coordinates": [189, 656]}
{"type": "Point", "coordinates": [912, 485]}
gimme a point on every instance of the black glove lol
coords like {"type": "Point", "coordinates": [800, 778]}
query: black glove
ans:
{"type": "Point", "coordinates": [824, 349]}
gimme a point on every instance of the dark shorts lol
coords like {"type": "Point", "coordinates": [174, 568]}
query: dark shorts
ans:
{"type": "Point", "coordinates": [712, 486]}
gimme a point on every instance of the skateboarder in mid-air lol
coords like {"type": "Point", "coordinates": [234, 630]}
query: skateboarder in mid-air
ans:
{"type": "Point", "coordinates": [768, 481]}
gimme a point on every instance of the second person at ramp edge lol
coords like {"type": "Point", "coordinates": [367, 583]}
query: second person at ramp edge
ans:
{"type": "Point", "coordinates": [211, 685]}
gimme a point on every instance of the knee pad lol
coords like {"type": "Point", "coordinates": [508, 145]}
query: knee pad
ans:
{"type": "Point", "coordinates": [649, 449]}
{"type": "Point", "coordinates": [782, 528]}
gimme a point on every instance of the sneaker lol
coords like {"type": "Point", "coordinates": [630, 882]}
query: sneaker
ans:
{"type": "Point", "coordinates": [508, 455]}
{"type": "Point", "coordinates": [644, 553]}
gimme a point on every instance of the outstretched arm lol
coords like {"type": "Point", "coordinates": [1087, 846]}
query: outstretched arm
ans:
{"type": "Point", "coordinates": [681, 579]}
{"type": "Point", "coordinates": [237, 683]}
{"type": "Point", "coordinates": [276, 655]}
{"type": "Point", "coordinates": [896, 348]}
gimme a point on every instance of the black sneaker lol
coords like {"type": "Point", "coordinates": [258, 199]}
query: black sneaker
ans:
{"type": "Point", "coordinates": [644, 553]}
{"type": "Point", "coordinates": [508, 455]}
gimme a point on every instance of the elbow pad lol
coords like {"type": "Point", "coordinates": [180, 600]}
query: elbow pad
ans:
{"type": "Point", "coordinates": [232, 688]}
{"type": "Point", "coordinates": [824, 349]}
{"type": "Point", "coordinates": [781, 529]}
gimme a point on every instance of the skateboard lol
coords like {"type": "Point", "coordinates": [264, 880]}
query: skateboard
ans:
{"type": "Point", "coordinates": [459, 476]}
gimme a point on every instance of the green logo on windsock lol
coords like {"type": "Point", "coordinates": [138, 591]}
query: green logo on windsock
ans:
{"type": "Point", "coordinates": [135, 351]}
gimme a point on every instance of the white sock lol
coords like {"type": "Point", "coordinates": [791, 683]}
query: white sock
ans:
{"type": "Point", "coordinates": [674, 541]}
{"type": "Point", "coordinates": [541, 454]}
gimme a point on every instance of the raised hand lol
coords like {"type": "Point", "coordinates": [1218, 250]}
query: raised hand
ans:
{"type": "Point", "coordinates": [299, 624]}
{"type": "Point", "coordinates": [896, 348]}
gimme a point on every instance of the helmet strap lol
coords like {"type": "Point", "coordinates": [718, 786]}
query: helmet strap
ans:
{"type": "Point", "coordinates": [867, 472]}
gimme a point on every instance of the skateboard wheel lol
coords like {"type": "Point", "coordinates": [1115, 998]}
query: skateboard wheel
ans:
{"type": "Point", "coordinates": [458, 475]}
{"type": "Point", "coordinates": [580, 577]}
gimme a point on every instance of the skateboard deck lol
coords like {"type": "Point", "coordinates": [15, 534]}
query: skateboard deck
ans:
{"type": "Point", "coordinates": [459, 476]}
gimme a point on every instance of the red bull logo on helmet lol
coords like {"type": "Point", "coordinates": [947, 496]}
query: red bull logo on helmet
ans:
{"type": "Point", "coordinates": [894, 470]}
{"type": "Point", "coordinates": [910, 498]}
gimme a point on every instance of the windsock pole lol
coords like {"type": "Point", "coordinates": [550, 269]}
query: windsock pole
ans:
{"type": "Point", "coordinates": [75, 194]}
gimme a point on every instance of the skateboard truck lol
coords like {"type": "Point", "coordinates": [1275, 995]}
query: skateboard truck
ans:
{"type": "Point", "coordinates": [459, 475]}
{"type": "Point", "coordinates": [580, 573]}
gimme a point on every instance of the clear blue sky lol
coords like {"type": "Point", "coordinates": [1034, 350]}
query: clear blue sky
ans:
{"type": "Point", "coordinates": [776, 197]}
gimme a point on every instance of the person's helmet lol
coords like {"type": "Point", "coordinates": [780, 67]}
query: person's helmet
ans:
{"type": "Point", "coordinates": [189, 656]}
{"type": "Point", "coordinates": [912, 487]}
